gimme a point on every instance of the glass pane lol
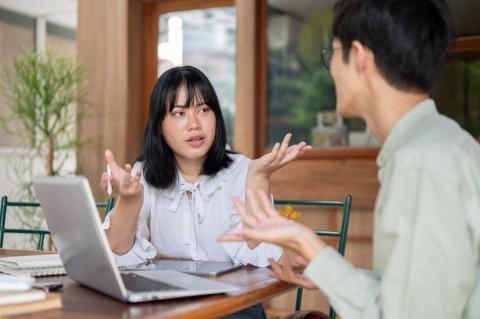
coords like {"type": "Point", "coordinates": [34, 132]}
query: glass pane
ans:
{"type": "Point", "coordinates": [457, 91]}
{"type": "Point", "coordinates": [465, 17]}
{"type": "Point", "coordinates": [205, 39]}
{"type": "Point", "coordinates": [301, 94]}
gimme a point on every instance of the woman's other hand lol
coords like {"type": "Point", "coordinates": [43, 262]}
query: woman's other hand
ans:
{"type": "Point", "coordinates": [280, 156]}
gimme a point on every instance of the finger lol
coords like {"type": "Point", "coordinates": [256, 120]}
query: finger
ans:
{"type": "Point", "coordinates": [127, 177]}
{"type": "Point", "coordinates": [303, 282]}
{"type": "Point", "coordinates": [291, 276]}
{"type": "Point", "coordinates": [252, 244]}
{"type": "Point", "coordinates": [294, 153]}
{"type": "Point", "coordinates": [269, 157]}
{"type": "Point", "coordinates": [104, 181]}
{"type": "Point", "coordinates": [256, 235]}
{"type": "Point", "coordinates": [242, 211]}
{"type": "Point", "coordinates": [274, 152]}
{"type": "Point", "coordinates": [283, 148]}
{"type": "Point", "coordinates": [243, 234]}
{"type": "Point", "coordinates": [306, 148]}
{"type": "Point", "coordinates": [137, 178]}
{"type": "Point", "coordinates": [287, 268]}
{"type": "Point", "coordinates": [274, 275]}
{"type": "Point", "coordinates": [292, 148]}
{"type": "Point", "coordinates": [301, 261]}
{"type": "Point", "coordinates": [267, 205]}
{"type": "Point", "coordinates": [111, 159]}
{"type": "Point", "coordinates": [257, 212]}
{"type": "Point", "coordinates": [277, 268]}
{"type": "Point", "coordinates": [230, 237]}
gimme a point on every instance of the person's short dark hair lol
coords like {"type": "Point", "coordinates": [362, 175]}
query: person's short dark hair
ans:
{"type": "Point", "coordinates": [409, 38]}
{"type": "Point", "coordinates": [159, 165]}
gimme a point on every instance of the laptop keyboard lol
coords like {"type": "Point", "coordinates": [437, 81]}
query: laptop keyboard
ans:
{"type": "Point", "coordinates": [140, 283]}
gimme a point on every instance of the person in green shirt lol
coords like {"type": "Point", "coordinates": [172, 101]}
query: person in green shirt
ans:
{"type": "Point", "coordinates": [385, 57]}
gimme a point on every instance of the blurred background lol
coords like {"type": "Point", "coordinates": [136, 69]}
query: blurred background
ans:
{"type": "Point", "coordinates": [263, 58]}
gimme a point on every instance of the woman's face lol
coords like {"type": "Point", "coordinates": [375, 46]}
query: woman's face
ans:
{"type": "Point", "coordinates": [189, 131]}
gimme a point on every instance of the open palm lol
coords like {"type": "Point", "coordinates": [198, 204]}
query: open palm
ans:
{"type": "Point", "coordinates": [264, 224]}
{"type": "Point", "coordinates": [123, 183]}
{"type": "Point", "coordinates": [280, 156]}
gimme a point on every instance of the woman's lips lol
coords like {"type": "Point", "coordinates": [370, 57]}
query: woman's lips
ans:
{"type": "Point", "coordinates": [196, 141]}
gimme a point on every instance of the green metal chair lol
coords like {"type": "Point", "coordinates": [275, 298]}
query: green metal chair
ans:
{"type": "Point", "coordinates": [341, 234]}
{"type": "Point", "coordinates": [108, 205]}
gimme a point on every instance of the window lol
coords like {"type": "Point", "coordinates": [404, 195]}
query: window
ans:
{"type": "Point", "coordinates": [301, 94]}
{"type": "Point", "coordinates": [206, 39]}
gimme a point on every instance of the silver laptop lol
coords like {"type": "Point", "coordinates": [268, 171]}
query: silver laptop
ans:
{"type": "Point", "coordinates": [72, 218]}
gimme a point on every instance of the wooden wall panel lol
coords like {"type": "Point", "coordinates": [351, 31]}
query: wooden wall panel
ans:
{"type": "Point", "coordinates": [108, 37]}
{"type": "Point", "coordinates": [328, 180]}
{"type": "Point", "coordinates": [245, 92]}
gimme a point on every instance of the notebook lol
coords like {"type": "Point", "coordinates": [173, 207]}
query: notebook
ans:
{"type": "Point", "coordinates": [16, 297]}
{"type": "Point", "coordinates": [33, 265]}
{"type": "Point", "coordinates": [28, 302]}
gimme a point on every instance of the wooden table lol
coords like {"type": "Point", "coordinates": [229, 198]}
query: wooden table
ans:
{"type": "Point", "coordinates": [82, 302]}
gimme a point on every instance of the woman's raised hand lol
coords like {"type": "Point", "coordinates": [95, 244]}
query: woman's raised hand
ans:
{"type": "Point", "coordinates": [123, 183]}
{"type": "Point", "coordinates": [280, 156]}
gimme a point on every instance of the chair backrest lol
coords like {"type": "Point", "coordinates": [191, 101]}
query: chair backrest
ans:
{"type": "Point", "coordinates": [345, 205]}
{"type": "Point", "coordinates": [5, 203]}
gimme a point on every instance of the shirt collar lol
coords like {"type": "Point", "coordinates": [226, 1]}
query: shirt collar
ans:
{"type": "Point", "coordinates": [403, 125]}
{"type": "Point", "coordinates": [202, 190]}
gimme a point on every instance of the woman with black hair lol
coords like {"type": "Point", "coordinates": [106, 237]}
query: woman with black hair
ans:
{"type": "Point", "coordinates": [176, 200]}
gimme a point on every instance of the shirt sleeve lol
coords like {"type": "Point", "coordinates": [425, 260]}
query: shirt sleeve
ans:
{"type": "Point", "coordinates": [142, 248]}
{"type": "Point", "coordinates": [239, 251]}
{"type": "Point", "coordinates": [430, 270]}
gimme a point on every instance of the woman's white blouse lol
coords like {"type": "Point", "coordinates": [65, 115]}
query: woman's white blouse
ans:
{"type": "Point", "coordinates": [171, 225]}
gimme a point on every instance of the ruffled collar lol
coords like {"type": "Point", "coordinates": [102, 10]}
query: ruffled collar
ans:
{"type": "Point", "coordinates": [202, 190]}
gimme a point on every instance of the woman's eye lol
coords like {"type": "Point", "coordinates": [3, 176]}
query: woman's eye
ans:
{"type": "Point", "coordinates": [204, 109]}
{"type": "Point", "coordinates": [178, 113]}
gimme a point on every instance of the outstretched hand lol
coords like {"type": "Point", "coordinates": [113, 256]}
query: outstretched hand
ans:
{"type": "Point", "coordinates": [123, 183]}
{"type": "Point", "coordinates": [263, 223]}
{"type": "Point", "coordinates": [280, 156]}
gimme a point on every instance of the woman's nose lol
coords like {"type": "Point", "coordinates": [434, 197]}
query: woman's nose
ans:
{"type": "Point", "coordinates": [192, 118]}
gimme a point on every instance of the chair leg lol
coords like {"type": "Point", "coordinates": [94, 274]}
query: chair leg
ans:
{"type": "Point", "coordinates": [331, 314]}
{"type": "Point", "coordinates": [298, 303]}
{"type": "Point", "coordinates": [40, 242]}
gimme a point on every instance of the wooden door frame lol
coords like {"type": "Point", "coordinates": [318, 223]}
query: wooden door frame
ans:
{"type": "Point", "coordinates": [151, 14]}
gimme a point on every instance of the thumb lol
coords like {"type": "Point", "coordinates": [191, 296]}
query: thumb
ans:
{"type": "Point", "coordinates": [110, 159]}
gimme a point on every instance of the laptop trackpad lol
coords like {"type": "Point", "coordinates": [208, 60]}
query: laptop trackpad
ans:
{"type": "Point", "coordinates": [182, 280]}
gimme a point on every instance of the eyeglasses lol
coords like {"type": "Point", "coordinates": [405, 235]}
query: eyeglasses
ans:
{"type": "Point", "coordinates": [327, 54]}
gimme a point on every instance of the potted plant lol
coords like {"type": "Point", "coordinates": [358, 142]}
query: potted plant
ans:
{"type": "Point", "coordinates": [46, 97]}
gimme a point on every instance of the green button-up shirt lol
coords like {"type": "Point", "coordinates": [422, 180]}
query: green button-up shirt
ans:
{"type": "Point", "coordinates": [426, 228]}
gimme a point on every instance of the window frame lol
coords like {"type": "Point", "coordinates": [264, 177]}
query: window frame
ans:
{"type": "Point", "coordinates": [460, 44]}
{"type": "Point", "coordinates": [151, 15]}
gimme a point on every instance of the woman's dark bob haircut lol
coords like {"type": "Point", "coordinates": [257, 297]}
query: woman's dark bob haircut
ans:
{"type": "Point", "coordinates": [159, 165]}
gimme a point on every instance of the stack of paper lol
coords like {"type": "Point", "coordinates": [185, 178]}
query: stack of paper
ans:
{"type": "Point", "coordinates": [33, 265]}
{"type": "Point", "coordinates": [18, 302]}
{"type": "Point", "coordinates": [17, 297]}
